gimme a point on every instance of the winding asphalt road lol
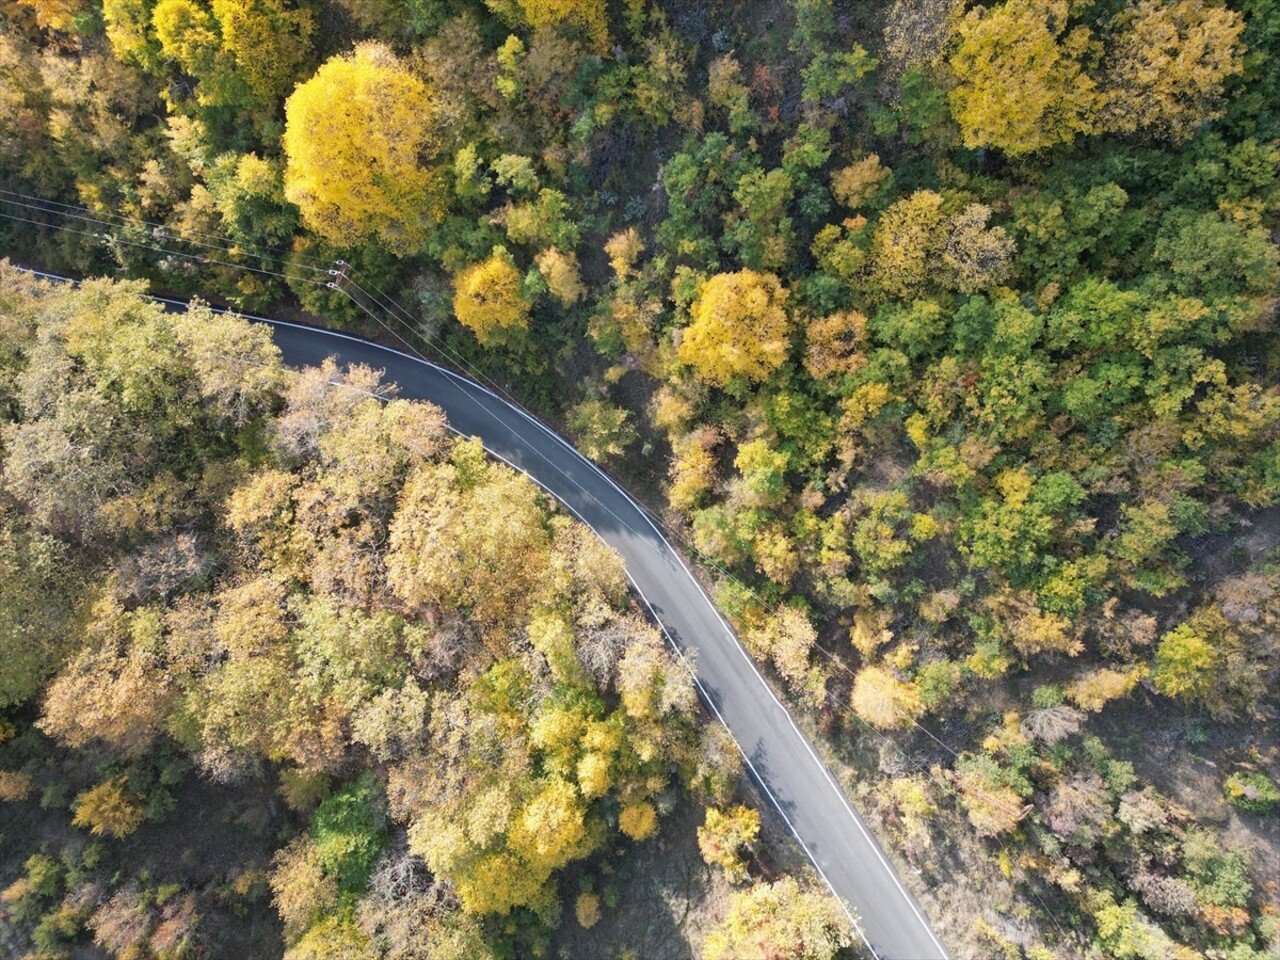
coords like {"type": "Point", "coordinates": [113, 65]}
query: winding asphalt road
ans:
{"type": "Point", "coordinates": [780, 758]}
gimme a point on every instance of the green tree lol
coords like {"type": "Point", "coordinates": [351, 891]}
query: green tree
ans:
{"type": "Point", "coordinates": [1252, 791]}
{"type": "Point", "coordinates": [38, 587]}
{"type": "Point", "coordinates": [1208, 255]}
{"type": "Point", "coordinates": [603, 430]}
{"type": "Point", "coordinates": [349, 833]}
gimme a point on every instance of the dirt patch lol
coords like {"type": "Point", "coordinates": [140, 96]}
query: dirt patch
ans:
{"type": "Point", "coordinates": [217, 850]}
{"type": "Point", "coordinates": [1186, 756]}
{"type": "Point", "coordinates": [666, 897]}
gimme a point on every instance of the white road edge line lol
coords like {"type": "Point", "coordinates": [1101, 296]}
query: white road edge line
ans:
{"type": "Point", "coordinates": [467, 383]}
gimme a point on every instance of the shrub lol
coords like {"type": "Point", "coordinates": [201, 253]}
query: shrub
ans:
{"type": "Point", "coordinates": [349, 831]}
{"type": "Point", "coordinates": [1255, 792]}
{"type": "Point", "coordinates": [587, 910]}
{"type": "Point", "coordinates": [109, 808]}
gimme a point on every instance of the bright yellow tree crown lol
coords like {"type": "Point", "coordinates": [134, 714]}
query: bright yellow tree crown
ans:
{"type": "Point", "coordinates": [356, 135]}
{"type": "Point", "coordinates": [488, 299]}
{"type": "Point", "coordinates": [740, 328]}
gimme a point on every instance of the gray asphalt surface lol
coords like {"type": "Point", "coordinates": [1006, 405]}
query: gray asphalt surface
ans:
{"type": "Point", "coordinates": [780, 757]}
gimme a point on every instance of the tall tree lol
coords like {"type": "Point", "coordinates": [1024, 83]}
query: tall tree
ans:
{"type": "Point", "coordinates": [1021, 84]}
{"type": "Point", "coordinates": [740, 328]}
{"type": "Point", "coordinates": [776, 920]}
{"type": "Point", "coordinates": [360, 144]}
{"type": "Point", "coordinates": [1167, 64]}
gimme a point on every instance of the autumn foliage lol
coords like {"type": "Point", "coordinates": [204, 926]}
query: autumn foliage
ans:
{"type": "Point", "coordinates": [359, 143]}
{"type": "Point", "coordinates": [739, 328]}
{"type": "Point", "coordinates": [941, 334]}
{"type": "Point", "coordinates": [489, 300]}
{"type": "Point", "coordinates": [381, 590]}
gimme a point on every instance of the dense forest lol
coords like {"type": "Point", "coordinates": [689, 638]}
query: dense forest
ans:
{"type": "Point", "coordinates": [217, 570]}
{"type": "Point", "coordinates": [941, 334]}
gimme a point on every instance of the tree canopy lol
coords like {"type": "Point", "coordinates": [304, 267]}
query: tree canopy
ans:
{"type": "Point", "coordinates": [359, 144]}
{"type": "Point", "coordinates": [941, 335]}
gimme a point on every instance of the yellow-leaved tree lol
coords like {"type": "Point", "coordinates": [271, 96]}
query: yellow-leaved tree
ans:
{"type": "Point", "coordinates": [638, 820]}
{"type": "Point", "coordinates": [590, 16]}
{"type": "Point", "coordinates": [109, 809]}
{"type": "Point", "coordinates": [268, 42]}
{"type": "Point", "coordinates": [551, 830]}
{"type": "Point", "coordinates": [57, 14]}
{"type": "Point", "coordinates": [127, 24]}
{"type": "Point", "coordinates": [624, 249]}
{"type": "Point", "coordinates": [779, 920]}
{"type": "Point", "coordinates": [188, 34]}
{"type": "Point", "coordinates": [787, 637]}
{"type": "Point", "coordinates": [740, 328]}
{"type": "Point", "coordinates": [113, 691]}
{"type": "Point", "coordinates": [359, 142]}
{"type": "Point", "coordinates": [488, 299]}
{"type": "Point", "coordinates": [1095, 689]}
{"type": "Point", "coordinates": [1021, 85]}
{"type": "Point", "coordinates": [693, 471]}
{"type": "Point", "coordinates": [242, 51]}
{"type": "Point", "coordinates": [906, 244]}
{"type": "Point", "coordinates": [468, 536]}
{"type": "Point", "coordinates": [992, 805]}
{"type": "Point", "coordinates": [561, 272]}
{"type": "Point", "coordinates": [835, 344]}
{"type": "Point", "coordinates": [1167, 65]}
{"type": "Point", "coordinates": [884, 701]}
{"type": "Point", "coordinates": [725, 836]}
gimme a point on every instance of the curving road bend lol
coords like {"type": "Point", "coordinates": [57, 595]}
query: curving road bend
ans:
{"type": "Point", "coordinates": [780, 758]}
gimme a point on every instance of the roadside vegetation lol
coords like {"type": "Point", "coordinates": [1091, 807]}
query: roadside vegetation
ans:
{"type": "Point", "coordinates": [943, 334]}
{"type": "Point", "coordinates": [221, 572]}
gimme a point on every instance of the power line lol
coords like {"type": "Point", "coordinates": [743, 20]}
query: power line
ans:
{"type": "Point", "coordinates": [108, 238]}
{"type": "Point", "coordinates": [395, 311]}
{"type": "Point", "coordinates": [341, 279]}
{"type": "Point", "coordinates": [339, 282]}
{"type": "Point", "coordinates": [884, 739]}
{"type": "Point", "coordinates": [488, 412]}
{"type": "Point", "coordinates": [225, 242]}
{"type": "Point", "coordinates": [1020, 812]}
{"type": "Point", "coordinates": [682, 656]}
